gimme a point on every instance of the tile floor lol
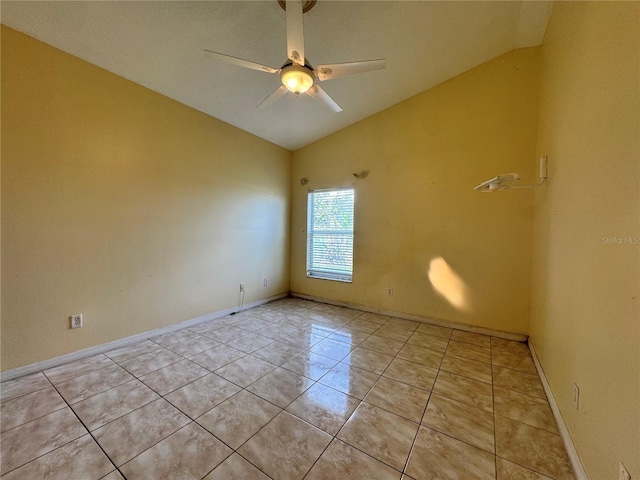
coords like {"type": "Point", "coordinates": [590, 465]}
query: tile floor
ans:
{"type": "Point", "coordinates": [288, 390]}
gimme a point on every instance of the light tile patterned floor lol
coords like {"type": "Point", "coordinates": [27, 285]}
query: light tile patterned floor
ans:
{"type": "Point", "coordinates": [289, 390]}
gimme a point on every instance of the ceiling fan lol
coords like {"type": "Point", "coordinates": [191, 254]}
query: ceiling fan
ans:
{"type": "Point", "coordinates": [297, 75]}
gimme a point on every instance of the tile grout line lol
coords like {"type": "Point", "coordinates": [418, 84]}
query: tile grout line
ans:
{"type": "Point", "coordinates": [415, 437]}
{"type": "Point", "coordinates": [116, 468]}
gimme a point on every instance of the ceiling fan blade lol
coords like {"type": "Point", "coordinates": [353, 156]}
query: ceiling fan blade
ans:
{"type": "Point", "coordinates": [323, 97]}
{"type": "Point", "coordinates": [295, 36]}
{"type": "Point", "coordinates": [273, 97]}
{"type": "Point", "coordinates": [328, 72]}
{"type": "Point", "coordinates": [241, 62]}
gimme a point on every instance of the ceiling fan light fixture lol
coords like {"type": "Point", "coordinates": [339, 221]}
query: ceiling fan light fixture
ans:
{"type": "Point", "coordinates": [297, 79]}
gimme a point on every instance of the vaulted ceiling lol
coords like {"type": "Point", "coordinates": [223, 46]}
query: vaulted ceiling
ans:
{"type": "Point", "coordinates": [160, 45]}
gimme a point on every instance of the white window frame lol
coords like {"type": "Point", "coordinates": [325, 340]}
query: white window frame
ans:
{"type": "Point", "coordinates": [315, 266]}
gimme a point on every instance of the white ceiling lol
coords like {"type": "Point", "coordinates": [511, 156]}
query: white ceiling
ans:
{"type": "Point", "coordinates": [159, 44]}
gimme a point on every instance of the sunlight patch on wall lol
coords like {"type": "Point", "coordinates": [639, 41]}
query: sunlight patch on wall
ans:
{"type": "Point", "coordinates": [448, 284]}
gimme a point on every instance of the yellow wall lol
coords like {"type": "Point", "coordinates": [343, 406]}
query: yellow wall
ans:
{"type": "Point", "coordinates": [125, 206]}
{"type": "Point", "coordinates": [424, 156]}
{"type": "Point", "coordinates": [585, 322]}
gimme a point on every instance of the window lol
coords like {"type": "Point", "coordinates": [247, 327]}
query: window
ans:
{"type": "Point", "coordinates": [330, 234]}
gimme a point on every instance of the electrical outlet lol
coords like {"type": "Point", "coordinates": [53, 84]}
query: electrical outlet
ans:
{"type": "Point", "coordinates": [623, 473]}
{"type": "Point", "coordinates": [242, 287]}
{"type": "Point", "coordinates": [265, 282]}
{"type": "Point", "coordinates": [576, 396]}
{"type": "Point", "coordinates": [390, 292]}
{"type": "Point", "coordinates": [76, 320]}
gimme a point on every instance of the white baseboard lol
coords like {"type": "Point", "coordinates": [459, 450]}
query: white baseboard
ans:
{"type": "Point", "coordinates": [105, 347]}
{"type": "Point", "coordinates": [574, 458]}
{"type": "Point", "coordinates": [518, 337]}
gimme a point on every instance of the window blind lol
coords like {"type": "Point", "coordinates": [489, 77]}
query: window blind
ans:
{"type": "Point", "coordinates": [330, 234]}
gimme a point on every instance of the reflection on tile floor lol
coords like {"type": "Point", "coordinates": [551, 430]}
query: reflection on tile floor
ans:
{"type": "Point", "coordinates": [288, 390]}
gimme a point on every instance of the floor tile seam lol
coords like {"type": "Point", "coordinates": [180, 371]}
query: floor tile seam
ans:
{"type": "Point", "coordinates": [528, 424]}
{"type": "Point", "coordinates": [501, 350]}
{"type": "Point", "coordinates": [155, 351]}
{"type": "Point", "coordinates": [394, 358]}
{"type": "Point", "coordinates": [466, 442]}
{"type": "Point", "coordinates": [298, 373]}
{"type": "Point", "coordinates": [369, 391]}
{"type": "Point", "coordinates": [339, 361]}
{"type": "Point", "coordinates": [473, 355]}
{"type": "Point", "coordinates": [133, 379]}
{"type": "Point", "coordinates": [524, 393]}
{"type": "Point", "coordinates": [466, 376]}
{"type": "Point", "coordinates": [89, 373]}
{"type": "Point", "coordinates": [364, 400]}
{"type": "Point", "coordinates": [321, 454]}
{"type": "Point", "coordinates": [349, 343]}
{"type": "Point", "coordinates": [361, 401]}
{"type": "Point", "coordinates": [66, 404]}
{"type": "Point", "coordinates": [4, 432]}
{"type": "Point", "coordinates": [80, 375]}
{"type": "Point", "coordinates": [236, 384]}
{"type": "Point", "coordinates": [435, 380]}
{"type": "Point", "coordinates": [177, 388]}
{"type": "Point", "coordinates": [125, 414]}
{"type": "Point", "coordinates": [271, 361]}
{"type": "Point", "coordinates": [368, 454]}
{"type": "Point", "coordinates": [155, 370]}
{"type": "Point", "coordinates": [31, 393]}
{"type": "Point", "coordinates": [215, 346]}
{"type": "Point", "coordinates": [237, 450]}
{"type": "Point", "coordinates": [288, 404]}
{"type": "Point", "coordinates": [458, 355]}
{"type": "Point", "coordinates": [57, 448]}
{"type": "Point", "coordinates": [188, 355]}
{"type": "Point", "coordinates": [422, 332]}
{"type": "Point", "coordinates": [516, 370]}
{"type": "Point", "coordinates": [330, 386]}
{"type": "Point", "coordinates": [421, 363]}
{"type": "Point", "coordinates": [212, 433]}
{"type": "Point", "coordinates": [91, 434]}
{"type": "Point", "coordinates": [245, 459]}
{"type": "Point", "coordinates": [156, 443]}
{"type": "Point", "coordinates": [223, 460]}
{"type": "Point", "coordinates": [457, 401]}
{"type": "Point", "coordinates": [440, 394]}
{"type": "Point", "coordinates": [28, 393]}
{"type": "Point", "coordinates": [521, 392]}
{"type": "Point", "coordinates": [415, 437]}
{"type": "Point", "coordinates": [174, 343]}
{"type": "Point", "coordinates": [269, 401]}
{"type": "Point", "coordinates": [118, 362]}
{"type": "Point", "coordinates": [467, 342]}
{"type": "Point", "coordinates": [404, 382]}
{"type": "Point", "coordinates": [399, 330]}
{"type": "Point", "coordinates": [196, 338]}
{"type": "Point", "coordinates": [523, 466]}
{"type": "Point", "coordinates": [375, 351]}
